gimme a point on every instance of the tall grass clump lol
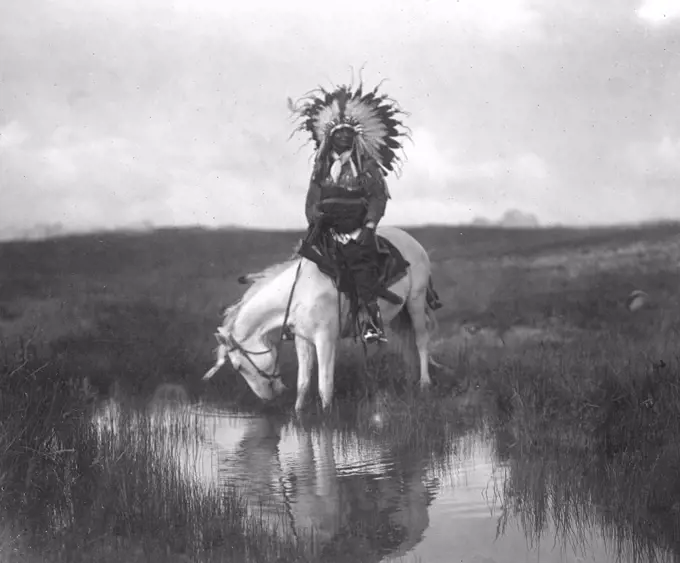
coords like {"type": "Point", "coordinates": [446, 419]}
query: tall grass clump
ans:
{"type": "Point", "coordinates": [124, 484]}
{"type": "Point", "coordinates": [597, 393]}
{"type": "Point", "coordinates": [564, 498]}
{"type": "Point", "coordinates": [162, 501]}
{"type": "Point", "coordinates": [591, 440]}
{"type": "Point", "coordinates": [44, 444]}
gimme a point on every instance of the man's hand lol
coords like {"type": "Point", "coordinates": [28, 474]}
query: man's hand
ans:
{"type": "Point", "coordinates": [366, 234]}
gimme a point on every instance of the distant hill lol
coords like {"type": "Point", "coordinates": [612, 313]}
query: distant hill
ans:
{"type": "Point", "coordinates": [481, 222]}
{"type": "Point", "coordinates": [45, 231]}
{"type": "Point", "coordinates": [512, 218]}
{"type": "Point", "coordinates": [516, 218]}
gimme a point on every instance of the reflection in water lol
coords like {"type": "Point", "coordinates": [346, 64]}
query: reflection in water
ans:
{"type": "Point", "coordinates": [567, 497]}
{"type": "Point", "coordinates": [345, 496]}
{"type": "Point", "coordinates": [355, 498]}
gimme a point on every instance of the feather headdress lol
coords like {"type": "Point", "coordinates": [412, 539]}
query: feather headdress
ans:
{"type": "Point", "coordinates": [373, 118]}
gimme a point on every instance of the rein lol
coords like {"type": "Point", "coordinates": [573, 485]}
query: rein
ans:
{"type": "Point", "coordinates": [285, 335]}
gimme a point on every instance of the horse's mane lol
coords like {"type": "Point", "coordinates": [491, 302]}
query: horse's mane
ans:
{"type": "Point", "coordinates": [260, 279]}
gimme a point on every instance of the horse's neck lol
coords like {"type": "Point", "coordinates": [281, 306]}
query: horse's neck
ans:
{"type": "Point", "coordinates": [266, 309]}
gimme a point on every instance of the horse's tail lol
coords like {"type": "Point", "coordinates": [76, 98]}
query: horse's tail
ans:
{"type": "Point", "coordinates": [432, 322]}
{"type": "Point", "coordinates": [431, 296]}
{"type": "Point", "coordinates": [432, 303]}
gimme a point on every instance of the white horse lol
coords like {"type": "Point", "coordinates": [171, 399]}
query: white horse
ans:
{"type": "Point", "coordinates": [297, 294]}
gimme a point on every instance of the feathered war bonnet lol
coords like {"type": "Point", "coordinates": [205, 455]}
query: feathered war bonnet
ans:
{"type": "Point", "coordinates": [373, 118]}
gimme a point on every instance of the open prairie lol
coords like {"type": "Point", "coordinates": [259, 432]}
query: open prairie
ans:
{"type": "Point", "coordinates": [537, 332]}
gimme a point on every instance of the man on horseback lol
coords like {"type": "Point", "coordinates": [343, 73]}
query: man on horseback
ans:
{"type": "Point", "coordinates": [355, 138]}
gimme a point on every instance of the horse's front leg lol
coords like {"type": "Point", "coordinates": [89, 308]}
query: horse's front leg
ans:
{"type": "Point", "coordinates": [326, 350]}
{"type": "Point", "coordinates": [305, 355]}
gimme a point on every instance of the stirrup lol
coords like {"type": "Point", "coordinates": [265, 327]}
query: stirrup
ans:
{"type": "Point", "coordinates": [286, 334]}
{"type": "Point", "coordinates": [371, 334]}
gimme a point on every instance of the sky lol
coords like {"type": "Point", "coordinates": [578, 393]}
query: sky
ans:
{"type": "Point", "coordinates": [118, 113]}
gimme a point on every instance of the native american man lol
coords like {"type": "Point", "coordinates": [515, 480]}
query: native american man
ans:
{"type": "Point", "coordinates": [355, 138]}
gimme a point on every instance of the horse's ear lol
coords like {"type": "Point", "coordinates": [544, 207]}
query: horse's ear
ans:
{"type": "Point", "coordinates": [247, 279]}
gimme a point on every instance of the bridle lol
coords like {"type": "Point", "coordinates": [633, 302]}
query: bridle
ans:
{"type": "Point", "coordinates": [247, 354]}
{"type": "Point", "coordinates": [286, 334]}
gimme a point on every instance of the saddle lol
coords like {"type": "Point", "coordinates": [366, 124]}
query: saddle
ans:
{"type": "Point", "coordinates": [392, 265]}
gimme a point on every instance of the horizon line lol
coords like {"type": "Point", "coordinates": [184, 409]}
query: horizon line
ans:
{"type": "Point", "coordinates": [27, 236]}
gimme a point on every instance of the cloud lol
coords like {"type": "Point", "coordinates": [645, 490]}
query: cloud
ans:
{"type": "Point", "coordinates": [12, 135]}
{"type": "Point", "coordinates": [176, 111]}
{"type": "Point", "coordinates": [669, 151]}
{"type": "Point", "coordinates": [659, 11]}
{"type": "Point", "coordinates": [406, 210]}
{"type": "Point", "coordinates": [656, 160]}
{"type": "Point", "coordinates": [442, 163]}
{"type": "Point", "coordinates": [219, 197]}
{"type": "Point", "coordinates": [489, 15]}
{"type": "Point", "coordinates": [495, 16]}
{"type": "Point", "coordinates": [83, 180]}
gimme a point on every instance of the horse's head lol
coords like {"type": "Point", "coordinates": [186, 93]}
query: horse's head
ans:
{"type": "Point", "coordinates": [256, 361]}
{"type": "Point", "coordinates": [250, 348]}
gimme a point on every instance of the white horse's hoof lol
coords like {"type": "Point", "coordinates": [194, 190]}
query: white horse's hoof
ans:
{"type": "Point", "coordinates": [425, 385]}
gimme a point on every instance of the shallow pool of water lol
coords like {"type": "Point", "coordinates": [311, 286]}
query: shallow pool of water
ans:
{"type": "Point", "coordinates": [387, 504]}
{"type": "Point", "coordinates": [365, 501]}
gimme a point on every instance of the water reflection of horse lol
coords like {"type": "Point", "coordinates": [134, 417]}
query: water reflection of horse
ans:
{"type": "Point", "coordinates": [297, 295]}
{"type": "Point", "coordinates": [323, 491]}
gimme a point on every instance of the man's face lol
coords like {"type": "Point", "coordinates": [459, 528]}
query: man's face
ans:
{"type": "Point", "coordinates": [342, 140]}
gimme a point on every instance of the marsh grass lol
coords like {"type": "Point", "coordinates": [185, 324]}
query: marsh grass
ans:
{"type": "Point", "coordinates": [608, 397]}
{"type": "Point", "coordinates": [141, 309]}
{"type": "Point", "coordinates": [111, 491]}
{"type": "Point", "coordinates": [576, 498]}
{"type": "Point", "coordinates": [120, 485]}
{"type": "Point", "coordinates": [588, 434]}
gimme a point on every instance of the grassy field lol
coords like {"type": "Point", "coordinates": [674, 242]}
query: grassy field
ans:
{"type": "Point", "coordinates": [534, 327]}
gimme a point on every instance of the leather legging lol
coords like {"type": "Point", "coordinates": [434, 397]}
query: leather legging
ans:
{"type": "Point", "coordinates": [362, 260]}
